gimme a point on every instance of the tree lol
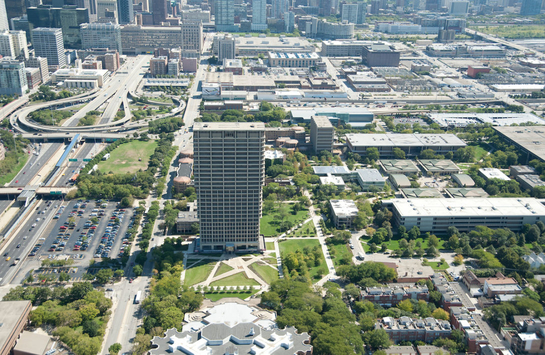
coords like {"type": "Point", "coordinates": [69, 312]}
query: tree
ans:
{"type": "Point", "coordinates": [137, 270]}
{"type": "Point", "coordinates": [377, 339]}
{"type": "Point", "coordinates": [373, 153]}
{"type": "Point", "coordinates": [91, 327]}
{"type": "Point", "coordinates": [433, 241]}
{"type": "Point", "coordinates": [64, 277]}
{"type": "Point", "coordinates": [405, 305]}
{"type": "Point", "coordinates": [458, 260]}
{"type": "Point", "coordinates": [114, 349]}
{"type": "Point", "coordinates": [103, 276]}
{"type": "Point", "coordinates": [440, 313]}
{"type": "Point", "coordinates": [398, 153]}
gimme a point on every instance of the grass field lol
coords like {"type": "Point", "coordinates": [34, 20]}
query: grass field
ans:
{"type": "Point", "coordinates": [394, 244]}
{"type": "Point", "coordinates": [270, 222]}
{"type": "Point", "coordinates": [223, 269]}
{"type": "Point", "coordinates": [510, 31]}
{"type": "Point", "coordinates": [300, 244]}
{"type": "Point", "coordinates": [218, 296]}
{"type": "Point", "coordinates": [307, 230]}
{"type": "Point", "coordinates": [269, 245]}
{"type": "Point", "coordinates": [198, 273]}
{"type": "Point", "coordinates": [239, 279]}
{"type": "Point", "coordinates": [480, 150]}
{"type": "Point", "coordinates": [125, 158]}
{"type": "Point", "coordinates": [8, 177]}
{"type": "Point", "coordinates": [267, 273]}
{"type": "Point", "coordinates": [341, 251]}
{"type": "Point", "coordinates": [437, 265]}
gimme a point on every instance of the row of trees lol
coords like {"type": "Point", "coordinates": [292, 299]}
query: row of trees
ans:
{"type": "Point", "coordinates": [78, 315]}
{"type": "Point", "coordinates": [46, 94]}
{"type": "Point", "coordinates": [15, 153]}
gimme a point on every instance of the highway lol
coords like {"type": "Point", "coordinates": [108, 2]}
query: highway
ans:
{"type": "Point", "coordinates": [7, 271]}
{"type": "Point", "coordinates": [4, 205]}
{"type": "Point", "coordinates": [71, 168]}
{"type": "Point", "coordinates": [35, 164]}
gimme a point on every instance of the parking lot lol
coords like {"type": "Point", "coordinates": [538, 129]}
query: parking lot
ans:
{"type": "Point", "coordinates": [83, 231]}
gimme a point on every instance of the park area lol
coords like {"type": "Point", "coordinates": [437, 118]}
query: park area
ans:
{"type": "Point", "coordinates": [305, 246]}
{"type": "Point", "coordinates": [276, 221]}
{"type": "Point", "coordinates": [129, 157]}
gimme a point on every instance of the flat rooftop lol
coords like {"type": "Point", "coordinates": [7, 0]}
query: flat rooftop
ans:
{"type": "Point", "coordinates": [495, 119]}
{"type": "Point", "coordinates": [465, 192]}
{"type": "Point", "coordinates": [532, 139]}
{"type": "Point", "coordinates": [493, 173]}
{"type": "Point", "coordinates": [229, 126]}
{"type": "Point", "coordinates": [369, 175]}
{"type": "Point", "coordinates": [322, 121]}
{"type": "Point", "coordinates": [403, 140]}
{"type": "Point", "coordinates": [12, 312]}
{"type": "Point", "coordinates": [392, 166]}
{"type": "Point", "coordinates": [472, 207]}
{"type": "Point", "coordinates": [343, 208]}
{"type": "Point", "coordinates": [324, 170]}
{"type": "Point", "coordinates": [438, 165]}
{"type": "Point", "coordinates": [287, 55]}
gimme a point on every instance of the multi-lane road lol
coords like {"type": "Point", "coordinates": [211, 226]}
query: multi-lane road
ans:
{"type": "Point", "coordinates": [35, 164]}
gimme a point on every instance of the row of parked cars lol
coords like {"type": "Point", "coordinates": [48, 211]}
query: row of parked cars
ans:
{"type": "Point", "coordinates": [110, 233]}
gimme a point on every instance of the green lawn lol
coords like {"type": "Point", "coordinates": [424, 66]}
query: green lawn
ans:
{"type": "Point", "coordinates": [437, 265]}
{"type": "Point", "coordinates": [341, 251]}
{"type": "Point", "coordinates": [218, 296]}
{"type": "Point", "coordinates": [480, 150]}
{"type": "Point", "coordinates": [125, 158]}
{"type": "Point", "coordinates": [269, 245]}
{"type": "Point", "coordinates": [8, 177]}
{"type": "Point", "coordinates": [267, 273]}
{"type": "Point", "coordinates": [239, 279]}
{"type": "Point", "coordinates": [270, 222]}
{"type": "Point", "coordinates": [394, 244]}
{"type": "Point", "coordinates": [307, 230]}
{"type": "Point", "coordinates": [223, 269]}
{"type": "Point", "coordinates": [300, 244]}
{"type": "Point", "coordinates": [199, 272]}
{"type": "Point", "coordinates": [365, 247]}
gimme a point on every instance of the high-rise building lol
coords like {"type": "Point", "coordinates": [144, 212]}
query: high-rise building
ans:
{"type": "Point", "coordinates": [279, 7]}
{"type": "Point", "coordinates": [350, 13]}
{"type": "Point", "coordinates": [14, 8]}
{"type": "Point", "coordinates": [68, 18]}
{"type": "Point", "coordinates": [229, 173]}
{"type": "Point", "coordinates": [12, 77]}
{"type": "Point", "coordinates": [91, 5]}
{"type": "Point", "coordinates": [289, 21]}
{"type": "Point", "coordinates": [530, 7]}
{"type": "Point", "coordinates": [40, 63]}
{"type": "Point", "coordinates": [105, 8]}
{"type": "Point", "coordinates": [259, 15]}
{"type": "Point", "coordinates": [226, 48]}
{"type": "Point", "coordinates": [192, 39]}
{"type": "Point", "coordinates": [48, 43]}
{"type": "Point", "coordinates": [225, 14]}
{"type": "Point", "coordinates": [13, 44]}
{"type": "Point", "coordinates": [159, 11]}
{"type": "Point", "coordinates": [125, 11]}
{"type": "Point", "coordinates": [158, 66]}
{"type": "Point", "coordinates": [101, 35]}
{"type": "Point", "coordinates": [4, 23]}
{"type": "Point", "coordinates": [173, 67]}
{"type": "Point", "coordinates": [459, 8]}
{"type": "Point", "coordinates": [321, 134]}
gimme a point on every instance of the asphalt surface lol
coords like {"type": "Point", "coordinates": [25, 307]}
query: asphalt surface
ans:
{"type": "Point", "coordinates": [4, 205]}
{"type": "Point", "coordinates": [53, 230]}
{"type": "Point", "coordinates": [71, 168]}
{"type": "Point", "coordinates": [34, 164]}
{"type": "Point", "coordinates": [7, 271]}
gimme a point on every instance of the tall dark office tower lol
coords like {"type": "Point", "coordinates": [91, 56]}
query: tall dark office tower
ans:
{"type": "Point", "coordinates": [225, 14]}
{"type": "Point", "coordinates": [68, 18]}
{"type": "Point", "coordinates": [530, 7]}
{"type": "Point", "coordinates": [125, 11]}
{"type": "Point", "coordinates": [229, 173]}
{"type": "Point", "coordinates": [159, 11]}
{"type": "Point", "coordinates": [15, 8]}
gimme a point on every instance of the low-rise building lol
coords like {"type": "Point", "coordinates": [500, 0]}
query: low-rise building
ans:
{"type": "Point", "coordinates": [411, 144]}
{"type": "Point", "coordinates": [344, 212]}
{"type": "Point", "coordinates": [464, 192]}
{"type": "Point", "coordinates": [527, 337]}
{"type": "Point", "coordinates": [516, 170]}
{"type": "Point", "coordinates": [334, 170]}
{"type": "Point", "coordinates": [408, 329]}
{"type": "Point", "coordinates": [75, 75]}
{"type": "Point", "coordinates": [293, 60]}
{"type": "Point", "coordinates": [437, 215]}
{"type": "Point", "coordinates": [380, 55]}
{"type": "Point", "coordinates": [463, 180]}
{"type": "Point", "coordinates": [464, 320]}
{"type": "Point", "coordinates": [401, 350]}
{"type": "Point", "coordinates": [367, 178]}
{"type": "Point", "coordinates": [493, 173]}
{"type": "Point", "coordinates": [398, 166]}
{"type": "Point", "coordinates": [431, 350]}
{"type": "Point", "coordinates": [233, 66]}
{"type": "Point", "coordinates": [421, 193]}
{"type": "Point", "coordinates": [528, 181]}
{"type": "Point", "coordinates": [439, 166]}
{"type": "Point", "coordinates": [14, 318]}
{"type": "Point", "coordinates": [33, 77]}
{"type": "Point", "coordinates": [336, 181]}
{"type": "Point", "coordinates": [390, 296]}
{"type": "Point", "coordinates": [399, 181]}
{"type": "Point", "coordinates": [185, 221]}
{"type": "Point", "coordinates": [474, 70]}
{"type": "Point", "coordinates": [535, 260]}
